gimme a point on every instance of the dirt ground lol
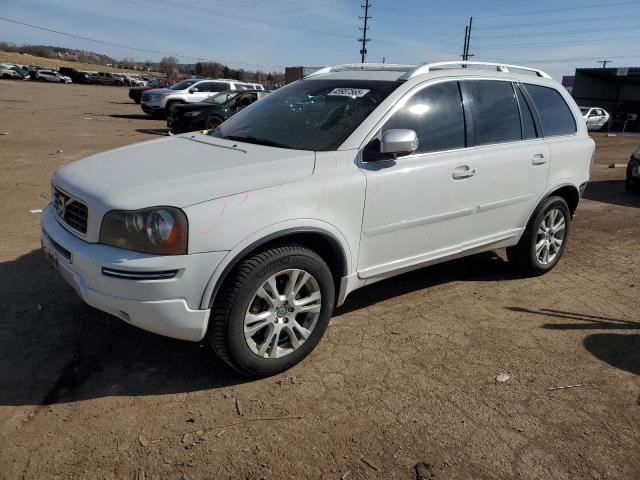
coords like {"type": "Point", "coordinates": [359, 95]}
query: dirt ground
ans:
{"type": "Point", "coordinates": [406, 373]}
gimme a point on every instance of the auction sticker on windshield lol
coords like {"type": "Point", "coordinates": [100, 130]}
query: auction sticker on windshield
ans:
{"type": "Point", "coordinates": [348, 92]}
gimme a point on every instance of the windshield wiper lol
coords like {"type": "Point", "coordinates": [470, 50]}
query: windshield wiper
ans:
{"type": "Point", "coordinates": [256, 140]}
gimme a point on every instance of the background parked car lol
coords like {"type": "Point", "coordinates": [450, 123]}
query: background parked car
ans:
{"type": "Point", "coordinates": [105, 78]}
{"type": "Point", "coordinates": [8, 73]}
{"type": "Point", "coordinates": [164, 100]}
{"type": "Point", "coordinates": [596, 118]}
{"type": "Point", "coordinates": [135, 93]}
{"type": "Point", "coordinates": [22, 71]}
{"type": "Point", "coordinates": [211, 112]}
{"type": "Point", "coordinates": [51, 76]}
{"type": "Point", "coordinates": [633, 172]}
{"type": "Point", "coordinates": [77, 76]}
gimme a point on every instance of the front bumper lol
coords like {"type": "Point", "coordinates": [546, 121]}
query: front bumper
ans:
{"type": "Point", "coordinates": [184, 124]}
{"type": "Point", "coordinates": [152, 109]}
{"type": "Point", "coordinates": [169, 307]}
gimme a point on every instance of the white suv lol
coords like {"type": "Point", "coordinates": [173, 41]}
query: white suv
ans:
{"type": "Point", "coordinates": [161, 101]}
{"type": "Point", "coordinates": [250, 235]}
{"type": "Point", "coordinates": [51, 76]}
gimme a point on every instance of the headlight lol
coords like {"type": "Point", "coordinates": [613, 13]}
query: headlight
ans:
{"type": "Point", "coordinates": [636, 154]}
{"type": "Point", "coordinates": [195, 113]}
{"type": "Point", "coordinates": [161, 230]}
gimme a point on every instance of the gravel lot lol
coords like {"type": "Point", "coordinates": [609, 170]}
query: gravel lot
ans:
{"type": "Point", "coordinates": [405, 374]}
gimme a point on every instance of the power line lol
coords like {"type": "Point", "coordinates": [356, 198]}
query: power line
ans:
{"type": "Point", "coordinates": [555, 44]}
{"type": "Point", "coordinates": [565, 60]}
{"type": "Point", "coordinates": [364, 28]}
{"type": "Point", "coordinates": [564, 32]}
{"type": "Point", "coordinates": [157, 52]}
{"type": "Point", "coordinates": [581, 7]}
{"type": "Point", "coordinates": [556, 22]}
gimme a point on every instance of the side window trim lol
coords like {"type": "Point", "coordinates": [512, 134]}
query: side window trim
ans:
{"type": "Point", "coordinates": [534, 111]}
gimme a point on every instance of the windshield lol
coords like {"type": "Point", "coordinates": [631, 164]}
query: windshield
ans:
{"type": "Point", "coordinates": [183, 84]}
{"type": "Point", "coordinates": [220, 98]}
{"type": "Point", "coordinates": [308, 114]}
{"type": "Point", "coordinates": [584, 110]}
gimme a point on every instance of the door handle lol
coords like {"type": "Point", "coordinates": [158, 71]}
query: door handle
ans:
{"type": "Point", "coordinates": [538, 159]}
{"type": "Point", "coordinates": [463, 172]}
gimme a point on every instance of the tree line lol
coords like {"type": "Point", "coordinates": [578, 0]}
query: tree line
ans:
{"type": "Point", "coordinates": [170, 67]}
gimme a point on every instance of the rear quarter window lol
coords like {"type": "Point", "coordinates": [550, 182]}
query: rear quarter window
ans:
{"type": "Point", "coordinates": [555, 115]}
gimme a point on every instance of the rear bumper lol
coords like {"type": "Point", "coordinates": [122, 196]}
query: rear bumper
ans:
{"type": "Point", "coordinates": [168, 306]}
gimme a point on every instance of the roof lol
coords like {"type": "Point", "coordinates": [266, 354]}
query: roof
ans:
{"type": "Point", "coordinates": [385, 71]}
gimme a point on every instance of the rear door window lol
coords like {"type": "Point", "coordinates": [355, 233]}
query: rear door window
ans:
{"type": "Point", "coordinates": [555, 115]}
{"type": "Point", "coordinates": [495, 115]}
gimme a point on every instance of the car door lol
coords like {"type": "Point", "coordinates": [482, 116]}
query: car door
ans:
{"type": "Point", "coordinates": [417, 206]}
{"type": "Point", "coordinates": [200, 91]}
{"type": "Point", "coordinates": [513, 163]}
{"type": "Point", "coordinates": [603, 118]}
{"type": "Point", "coordinates": [593, 120]}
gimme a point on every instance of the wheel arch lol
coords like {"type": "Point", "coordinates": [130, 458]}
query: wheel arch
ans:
{"type": "Point", "coordinates": [323, 242]}
{"type": "Point", "coordinates": [570, 193]}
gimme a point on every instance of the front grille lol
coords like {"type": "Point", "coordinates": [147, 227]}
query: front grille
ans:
{"type": "Point", "coordinates": [70, 210]}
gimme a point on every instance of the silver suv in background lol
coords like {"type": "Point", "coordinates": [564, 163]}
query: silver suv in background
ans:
{"type": "Point", "coordinates": [162, 101]}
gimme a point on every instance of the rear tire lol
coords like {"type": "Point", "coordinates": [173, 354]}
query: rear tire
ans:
{"type": "Point", "coordinates": [259, 332]}
{"type": "Point", "coordinates": [544, 240]}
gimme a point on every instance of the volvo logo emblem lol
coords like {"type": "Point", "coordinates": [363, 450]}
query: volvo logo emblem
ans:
{"type": "Point", "coordinates": [61, 205]}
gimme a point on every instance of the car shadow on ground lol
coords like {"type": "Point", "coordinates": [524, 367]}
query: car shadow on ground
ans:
{"type": "Point", "coordinates": [56, 349]}
{"type": "Point", "coordinates": [154, 131]}
{"type": "Point", "coordinates": [133, 116]}
{"type": "Point", "coordinates": [613, 192]}
{"type": "Point", "coordinates": [486, 266]}
{"type": "Point", "coordinates": [620, 350]}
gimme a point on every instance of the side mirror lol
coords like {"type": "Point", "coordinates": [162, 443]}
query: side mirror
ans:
{"type": "Point", "coordinates": [399, 142]}
{"type": "Point", "coordinates": [194, 90]}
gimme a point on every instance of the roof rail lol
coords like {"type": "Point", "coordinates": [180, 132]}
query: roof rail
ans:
{"type": "Point", "coordinates": [501, 67]}
{"type": "Point", "coordinates": [392, 67]}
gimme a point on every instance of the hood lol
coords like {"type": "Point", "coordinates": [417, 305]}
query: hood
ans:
{"type": "Point", "coordinates": [164, 91]}
{"type": "Point", "coordinates": [180, 171]}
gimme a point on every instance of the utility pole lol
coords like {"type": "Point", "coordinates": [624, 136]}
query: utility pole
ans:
{"type": "Point", "coordinates": [604, 63]}
{"type": "Point", "coordinates": [364, 28]}
{"type": "Point", "coordinates": [468, 43]}
{"type": "Point", "coordinates": [464, 46]}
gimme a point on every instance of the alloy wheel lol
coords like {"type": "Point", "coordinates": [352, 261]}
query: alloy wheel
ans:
{"type": "Point", "coordinates": [282, 313]}
{"type": "Point", "coordinates": [550, 236]}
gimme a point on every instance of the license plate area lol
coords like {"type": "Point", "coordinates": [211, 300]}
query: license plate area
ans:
{"type": "Point", "coordinates": [56, 252]}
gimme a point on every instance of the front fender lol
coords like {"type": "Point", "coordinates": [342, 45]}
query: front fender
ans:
{"type": "Point", "coordinates": [267, 234]}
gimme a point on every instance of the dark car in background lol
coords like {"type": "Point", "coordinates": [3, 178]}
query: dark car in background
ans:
{"type": "Point", "coordinates": [135, 93]}
{"type": "Point", "coordinates": [633, 172]}
{"type": "Point", "coordinates": [77, 76]}
{"type": "Point", "coordinates": [210, 113]}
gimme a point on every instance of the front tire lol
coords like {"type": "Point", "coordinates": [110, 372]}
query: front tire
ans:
{"type": "Point", "coordinates": [544, 240]}
{"type": "Point", "coordinates": [272, 310]}
{"type": "Point", "coordinates": [212, 122]}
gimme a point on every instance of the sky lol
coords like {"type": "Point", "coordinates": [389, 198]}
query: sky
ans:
{"type": "Point", "coordinates": [271, 34]}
